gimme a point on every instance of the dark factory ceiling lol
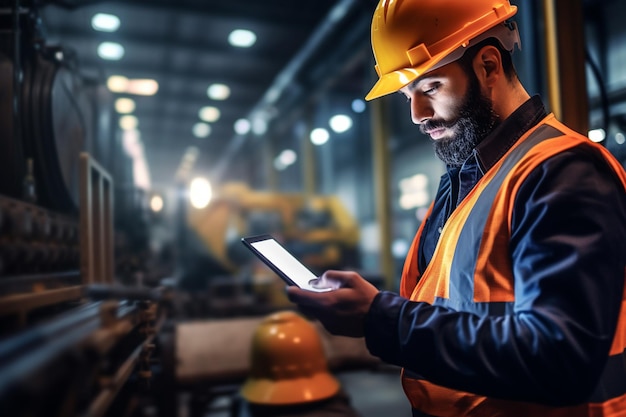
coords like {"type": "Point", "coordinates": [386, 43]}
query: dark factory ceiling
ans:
{"type": "Point", "coordinates": [301, 47]}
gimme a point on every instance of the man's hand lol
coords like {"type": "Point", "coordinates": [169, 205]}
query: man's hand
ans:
{"type": "Point", "coordinates": [342, 311]}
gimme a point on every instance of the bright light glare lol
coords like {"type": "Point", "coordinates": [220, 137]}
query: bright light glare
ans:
{"type": "Point", "coordinates": [340, 123]}
{"type": "Point", "coordinates": [242, 38]}
{"type": "Point", "coordinates": [129, 122]}
{"type": "Point", "coordinates": [105, 22]}
{"type": "Point", "coordinates": [124, 105]}
{"type": "Point", "coordinates": [209, 114]}
{"type": "Point", "coordinates": [242, 126]}
{"type": "Point", "coordinates": [597, 135]}
{"type": "Point", "coordinates": [200, 193]}
{"type": "Point", "coordinates": [218, 91]}
{"type": "Point", "coordinates": [319, 136]}
{"type": "Point", "coordinates": [111, 51]}
{"type": "Point", "coordinates": [156, 203]}
{"type": "Point", "coordinates": [201, 130]}
{"type": "Point", "coordinates": [620, 138]}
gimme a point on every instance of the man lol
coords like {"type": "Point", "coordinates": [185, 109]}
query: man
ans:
{"type": "Point", "coordinates": [512, 295]}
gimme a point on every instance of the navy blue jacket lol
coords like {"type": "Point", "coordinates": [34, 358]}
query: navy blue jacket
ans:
{"type": "Point", "coordinates": [579, 287]}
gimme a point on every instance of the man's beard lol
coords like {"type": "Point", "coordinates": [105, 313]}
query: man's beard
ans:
{"type": "Point", "coordinates": [476, 119]}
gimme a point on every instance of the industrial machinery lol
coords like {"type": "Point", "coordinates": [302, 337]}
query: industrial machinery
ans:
{"type": "Point", "coordinates": [319, 222]}
{"type": "Point", "coordinates": [72, 341]}
{"type": "Point", "coordinates": [79, 335]}
{"type": "Point", "coordinates": [317, 229]}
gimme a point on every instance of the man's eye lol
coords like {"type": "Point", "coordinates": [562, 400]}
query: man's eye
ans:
{"type": "Point", "coordinates": [432, 90]}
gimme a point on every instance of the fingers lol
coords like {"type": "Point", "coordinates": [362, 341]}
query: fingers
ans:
{"type": "Point", "coordinates": [304, 297]}
{"type": "Point", "coordinates": [337, 279]}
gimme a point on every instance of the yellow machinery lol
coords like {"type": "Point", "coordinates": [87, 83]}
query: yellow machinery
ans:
{"type": "Point", "coordinates": [317, 229]}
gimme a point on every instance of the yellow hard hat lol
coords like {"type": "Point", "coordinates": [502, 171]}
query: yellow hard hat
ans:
{"type": "Point", "coordinates": [288, 364]}
{"type": "Point", "coordinates": [412, 37]}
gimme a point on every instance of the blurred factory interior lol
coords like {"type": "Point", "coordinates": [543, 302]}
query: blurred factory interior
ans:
{"type": "Point", "coordinates": [141, 139]}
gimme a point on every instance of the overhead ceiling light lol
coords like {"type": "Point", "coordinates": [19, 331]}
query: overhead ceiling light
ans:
{"type": "Point", "coordinates": [105, 22]}
{"type": "Point", "coordinates": [117, 83]}
{"type": "Point", "coordinates": [156, 203]}
{"type": "Point", "coordinates": [131, 141]}
{"type": "Point", "coordinates": [285, 159]}
{"type": "Point", "coordinates": [242, 126]}
{"type": "Point", "coordinates": [319, 136]}
{"type": "Point", "coordinates": [125, 105]}
{"type": "Point", "coordinates": [358, 105]}
{"type": "Point", "coordinates": [340, 123]}
{"type": "Point", "coordinates": [110, 50]}
{"type": "Point", "coordinates": [218, 91]}
{"type": "Point", "coordinates": [620, 138]}
{"type": "Point", "coordinates": [209, 114]}
{"type": "Point", "coordinates": [129, 122]}
{"type": "Point", "coordinates": [201, 130]}
{"type": "Point", "coordinates": [288, 157]}
{"type": "Point", "coordinates": [242, 38]}
{"type": "Point", "coordinates": [142, 87]}
{"type": "Point", "coordinates": [141, 173]}
{"type": "Point", "coordinates": [597, 135]}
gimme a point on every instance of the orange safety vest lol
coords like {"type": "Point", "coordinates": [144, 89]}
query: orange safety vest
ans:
{"type": "Point", "coordinates": [481, 226]}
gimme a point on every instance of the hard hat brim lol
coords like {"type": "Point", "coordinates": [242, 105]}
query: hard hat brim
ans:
{"type": "Point", "coordinates": [290, 391]}
{"type": "Point", "coordinates": [392, 82]}
{"type": "Point", "coordinates": [395, 80]}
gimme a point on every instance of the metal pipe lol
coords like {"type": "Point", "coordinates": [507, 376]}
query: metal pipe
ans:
{"type": "Point", "coordinates": [308, 161]}
{"type": "Point", "coordinates": [27, 352]}
{"type": "Point", "coordinates": [381, 185]}
{"type": "Point", "coordinates": [17, 74]}
{"type": "Point", "coordinates": [552, 58]}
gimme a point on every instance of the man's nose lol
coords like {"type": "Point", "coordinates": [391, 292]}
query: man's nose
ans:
{"type": "Point", "coordinates": [421, 111]}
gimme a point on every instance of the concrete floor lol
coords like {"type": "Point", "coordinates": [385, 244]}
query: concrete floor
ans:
{"type": "Point", "coordinates": [376, 393]}
{"type": "Point", "coordinates": [373, 393]}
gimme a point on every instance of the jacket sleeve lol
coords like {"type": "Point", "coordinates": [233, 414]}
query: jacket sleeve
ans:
{"type": "Point", "coordinates": [569, 257]}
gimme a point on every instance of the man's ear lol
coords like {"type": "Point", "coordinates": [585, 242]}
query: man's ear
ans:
{"type": "Point", "coordinates": [488, 65]}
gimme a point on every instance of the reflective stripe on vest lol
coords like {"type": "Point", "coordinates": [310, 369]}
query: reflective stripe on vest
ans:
{"type": "Point", "coordinates": [478, 278]}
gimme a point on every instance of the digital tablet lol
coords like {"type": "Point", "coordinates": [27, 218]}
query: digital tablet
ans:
{"type": "Point", "coordinates": [274, 255]}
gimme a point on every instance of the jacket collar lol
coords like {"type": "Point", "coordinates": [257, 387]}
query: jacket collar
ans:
{"type": "Point", "coordinates": [503, 137]}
